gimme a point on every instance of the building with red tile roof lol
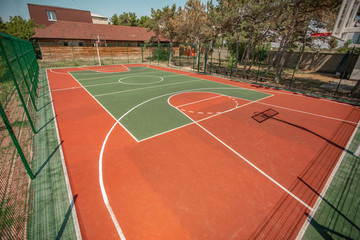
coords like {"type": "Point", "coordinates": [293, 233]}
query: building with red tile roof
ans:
{"type": "Point", "coordinates": [71, 33]}
{"type": "Point", "coordinates": [65, 40]}
{"type": "Point", "coordinates": [64, 31]}
{"type": "Point", "coordinates": [48, 15]}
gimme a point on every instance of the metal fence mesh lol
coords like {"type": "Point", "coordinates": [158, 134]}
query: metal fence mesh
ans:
{"type": "Point", "coordinates": [34, 198]}
{"type": "Point", "coordinates": [18, 81]}
{"type": "Point", "coordinates": [320, 74]}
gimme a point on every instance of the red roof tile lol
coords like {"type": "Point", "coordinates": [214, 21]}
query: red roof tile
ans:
{"type": "Point", "coordinates": [80, 30]}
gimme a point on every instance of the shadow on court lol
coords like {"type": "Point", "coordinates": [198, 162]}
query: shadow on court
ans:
{"type": "Point", "coordinates": [271, 113]}
{"type": "Point", "coordinates": [66, 218]}
{"type": "Point", "coordinates": [45, 105]}
{"type": "Point", "coordinates": [288, 215]}
{"type": "Point", "coordinates": [48, 159]}
{"type": "Point", "coordinates": [44, 126]}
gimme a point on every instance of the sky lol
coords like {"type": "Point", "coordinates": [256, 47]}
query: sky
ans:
{"type": "Point", "coordinates": [105, 8]}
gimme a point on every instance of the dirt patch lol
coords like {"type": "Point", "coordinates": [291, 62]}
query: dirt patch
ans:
{"type": "Point", "coordinates": [14, 181]}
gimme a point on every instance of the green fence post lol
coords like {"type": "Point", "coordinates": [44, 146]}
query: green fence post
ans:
{"type": "Point", "coordinates": [112, 59]}
{"type": "Point", "coordinates": [16, 143]}
{"type": "Point", "coordinates": [142, 54]}
{"type": "Point", "coordinates": [212, 50]}
{"type": "Point", "coordinates": [22, 72]}
{"type": "Point", "coordinates": [297, 60]}
{"type": "Point", "coordinates": [169, 54]}
{"type": "Point", "coordinates": [17, 87]}
{"type": "Point", "coordinates": [193, 52]}
{"type": "Point", "coordinates": [127, 52]}
{"type": "Point", "coordinates": [33, 79]}
{"type": "Point", "coordinates": [93, 50]}
{"type": "Point", "coordinates": [205, 61]}
{"type": "Point", "coordinates": [198, 66]}
{"type": "Point", "coordinates": [232, 62]}
{"type": "Point", "coordinates": [150, 52]}
{"type": "Point", "coordinates": [180, 55]}
{"type": "Point", "coordinates": [30, 65]}
{"type": "Point", "coordinates": [346, 68]}
{"type": "Point", "coordinates": [257, 75]}
{"type": "Point", "coordinates": [35, 63]}
{"type": "Point", "coordinates": [158, 54]}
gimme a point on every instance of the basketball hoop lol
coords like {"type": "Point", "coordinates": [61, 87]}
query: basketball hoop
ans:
{"type": "Point", "coordinates": [325, 34]}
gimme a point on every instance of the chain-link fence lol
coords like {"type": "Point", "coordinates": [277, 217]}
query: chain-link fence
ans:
{"type": "Point", "coordinates": [35, 202]}
{"type": "Point", "coordinates": [314, 73]}
{"type": "Point", "coordinates": [18, 87]}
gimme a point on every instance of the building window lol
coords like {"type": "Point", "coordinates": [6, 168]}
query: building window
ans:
{"type": "Point", "coordinates": [66, 44]}
{"type": "Point", "coordinates": [81, 44]}
{"type": "Point", "coordinates": [51, 15]}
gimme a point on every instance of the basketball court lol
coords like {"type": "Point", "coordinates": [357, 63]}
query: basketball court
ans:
{"type": "Point", "coordinates": [158, 153]}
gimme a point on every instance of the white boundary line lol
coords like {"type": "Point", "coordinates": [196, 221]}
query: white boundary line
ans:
{"type": "Point", "coordinates": [279, 91]}
{"type": "Point", "coordinates": [106, 201]}
{"type": "Point", "coordinates": [309, 113]}
{"type": "Point", "coordinates": [303, 95]}
{"type": "Point", "coordinates": [102, 84]}
{"type": "Point", "coordinates": [88, 68]}
{"type": "Point", "coordinates": [161, 79]}
{"type": "Point", "coordinates": [102, 187]}
{"type": "Point", "coordinates": [137, 89]}
{"type": "Point", "coordinates": [101, 181]}
{"type": "Point", "coordinates": [64, 89]}
{"type": "Point", "coordinates": [119, 74]}
{"type": "Point", "coordinates": [203, 119]}
{"type": "Point", "coordinates": [104, 108]}
{"type": "Point", "coordinates": [203, 100]}
{"type": "Point", "coordinates": [326, 187]}
{"type": "Point", "coordinates": [92, 71]}
{"type": "Point", "coordinates": [244, 105]}
{"type": "Point", "coordinates": [193, 90]}
{"type": "Point", "coordinates": [247, 161]}
{"type": "Point", "coordinates": [67, 181]}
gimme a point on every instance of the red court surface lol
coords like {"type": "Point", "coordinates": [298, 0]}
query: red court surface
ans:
{"type": "Point", "coordinates": [225, 176]}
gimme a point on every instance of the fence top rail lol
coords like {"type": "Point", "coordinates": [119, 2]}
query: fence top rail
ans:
{"type": "Point", "coordinates": [9, 37]}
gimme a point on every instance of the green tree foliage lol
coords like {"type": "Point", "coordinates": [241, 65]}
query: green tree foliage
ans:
{"type": "Point", "coordinates": [333, 43]}
{"type": "Point", "coordinates": [127, 19]}
{"type": "Point", "coordinates": [114, 20]}
{"type": "Point", "coordinates": [19, 27]}
{"type": "Point", "coordinates": [143, 21]}
{"type": "Point", "coordinates": [2, 25]}
{"type": "Point", "coordinates": [345, 48]}
{"type": "Point", "coordinates": [192, 24]}
{"type": "Point", "coordinates": [163, 23]}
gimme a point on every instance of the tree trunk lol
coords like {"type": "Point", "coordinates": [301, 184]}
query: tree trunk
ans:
{"type": "Point", "coordinates": [303, 47]}
{"type": "Point", "coordinates": [288, 36]}
{"type": "Point", "coordinates": [197, 44]}
{"type": "Point", "coordinates": [248, 50]}
{"type": "Point", "coordinates": [171, 49]}
{"type": "Point", "coordinates": [253, 57]}
{"type": "Point", "coordinates": [243, 56]}
{"type": "Point", "coordinates": [272, 60]}
{"type": "Point", "coordinates": [220, 48]}
{"type": "Point", "coordinates": [237, 51]}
